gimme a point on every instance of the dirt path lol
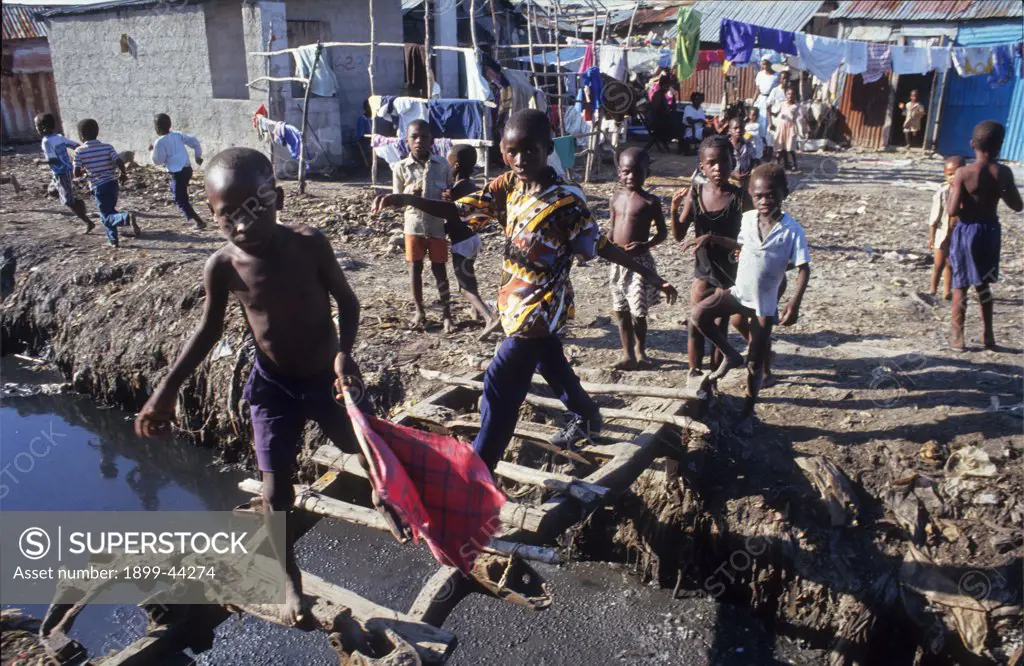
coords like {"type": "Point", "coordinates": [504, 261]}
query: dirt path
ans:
{"type": "Point", "coordinates": [865, 380]}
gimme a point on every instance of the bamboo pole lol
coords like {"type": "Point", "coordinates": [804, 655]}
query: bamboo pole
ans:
{"type": "Point", "coordinates": [529, 42]}
{"type": "Point", "coordinates": [305, 119]}
{"type": "Point", "coordinates": [632, 17]}
{"type": "Point", "coordinates": [427, 51]}
{"type": "Point", "coordinates": [558, 67]}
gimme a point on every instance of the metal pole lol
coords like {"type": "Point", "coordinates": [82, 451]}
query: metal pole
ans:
{"type": "Point", "coordinates": [427, 51]}
{"type": "Point", "coordinates": [305, 118]}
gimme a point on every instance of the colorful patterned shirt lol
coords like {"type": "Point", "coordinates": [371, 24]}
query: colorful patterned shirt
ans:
{"type": "Point", "coordinates": [542, 233]}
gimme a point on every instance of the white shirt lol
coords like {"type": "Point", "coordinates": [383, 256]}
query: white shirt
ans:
{"type": "Point", "coordinates": [763, 263]}
{"type": "Point", "coordinates": [691, 114]}
{"type": "Point", "coordinates": [169, 150]}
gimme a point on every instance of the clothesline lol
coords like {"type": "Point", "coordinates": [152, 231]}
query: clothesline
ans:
{"type": "Point", "coordinates": [356, 44]}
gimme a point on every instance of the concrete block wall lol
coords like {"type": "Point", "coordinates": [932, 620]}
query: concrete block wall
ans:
{"type": "Point", "coordinates": [167, 69]}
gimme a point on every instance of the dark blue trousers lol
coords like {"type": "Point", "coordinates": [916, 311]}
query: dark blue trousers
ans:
{"type": "Point", "coordinates": [507, 382]}
{"type": "Point", "coordinates": [179, 190]}
{"type": "Point", "coordinates": [106, 201]}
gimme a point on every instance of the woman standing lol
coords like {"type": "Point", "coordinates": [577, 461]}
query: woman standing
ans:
{"type": "Point", "coordinates": [765, 81]}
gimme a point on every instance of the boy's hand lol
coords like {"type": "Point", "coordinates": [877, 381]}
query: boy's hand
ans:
{"type": "Point", "coordinates": [790, 315]}
{"type": "Point", "coordinates": [199, 161]}
{"type": "Point", "coordinates": [677, 198]}
{"type": "Point", "coordinates": [386, 201]}
{"type": "Point", "coordinates": [154, 419]}
{"type": "Point", "coordinates": [446, 194]}
{"type": "Point", "coordinates": [671, 294]}
{"type": "Point", "coordinates": [636, 247]}
{"type": "Point", "coordinates": [348, 377]}
{"type": "Point", "coordinates": [697, 243]}
{"type": "Point", "coordinates": [931, 244]}
{"type": "Point", "coordinates": [150, 148]}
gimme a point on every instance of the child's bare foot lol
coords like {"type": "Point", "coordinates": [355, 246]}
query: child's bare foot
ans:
{"type": "Point", "coordinates": [291, 610]}
{"type": "Point", "coordinates": [199, 225]}
{"type": "Point", "coordinates": [490, 326]}
{"type": "Point", "coordinates": [134, 224]}
{"type": "Point", "coordinates": [419, 322]}
{"type": "Point", "coordinates": [990, 344]}
{"type": "Point", "coordinates": [957, 345]}
{"type": "Point", "coordinates": [730, 363]}
{"type": "Point", "coordinates": [625, 362]}
{"type": "Point", "coordinates": [89, 226]}
{"type": "Point", "coordinates": [448, 325]}
{"type": "Point", "coordinates": [948, 296]}
{"type": "Point", "coordinates": [642, 358]}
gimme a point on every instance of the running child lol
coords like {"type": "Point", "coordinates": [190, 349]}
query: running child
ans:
{"type": "Point", "coordinates": [466, 244]}
{"type": "Point", "coordinates": [427, 175]}
{"type": "Point", "coordinates": [284, 277]}
{"type": "Point", "coordinates": [769, 241]}
{"type": "Point", "coordinates": [976, 235]}
{"type": "Point", "coordinates": [633, 209]}
{"type": "Point", "coordinates": [938, 224]}
{"type": "Point", "coordinates": [99, 161]}
{"type": "Point", "coordinates": [55, 148]}
{"type": "Point", "coordinates": [169, 151]}
{"type": "Point", "coordinates": [714, 208]}
{"type": "Point", "coordinates": [547, 223]}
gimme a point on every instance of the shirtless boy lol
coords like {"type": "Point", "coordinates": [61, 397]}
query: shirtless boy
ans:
{"type": "Point", "coordinates": [284, 277]}
{"type": "Point", "coordinates": [547, 223]}
{"type": "Point", "coordinates": [976, 234]}
{"type": "Point", "coordinates": [769, 241]}
{"type": "Point", "coordinates": [632, 211]}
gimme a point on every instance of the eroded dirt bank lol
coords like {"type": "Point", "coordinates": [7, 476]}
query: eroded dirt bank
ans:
{"type": "Point", "coordinates": [920, 551]}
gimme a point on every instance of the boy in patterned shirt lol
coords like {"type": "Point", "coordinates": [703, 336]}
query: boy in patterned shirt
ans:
{"type": "Point", "coordinates": [55, 148]}
{"type": "Point", "coordinates": [547, 223]}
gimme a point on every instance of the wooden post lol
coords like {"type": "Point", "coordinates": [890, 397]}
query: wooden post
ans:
{"type": "Point", "coordinates": [496, 27]}
{"type": "Point", "coordinates": [632, 17]}
{"type": "Point", "coordinates": [373, 116]}
{"type": "Point", "coordinates": [935, 108]}
{"type": "Point", "coordinates": [529, 42]}
{"type": "Point", "coordinates": [305, 119]}
{"type": "Point", "coordinates": [427, 50]}
{"type": "Point", "coordinates": [558, 67]}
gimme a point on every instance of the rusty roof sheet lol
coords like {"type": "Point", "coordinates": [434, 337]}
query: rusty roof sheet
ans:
{"type": "Point", "coordinates": [928, 10]}
{"type": "Point", "coordinates": [790, 15]}
{"type": "Point", "coordinates": [20, 22]}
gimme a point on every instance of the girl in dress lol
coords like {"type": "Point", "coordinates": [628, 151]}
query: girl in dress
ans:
{"type": "Point", "coordinates": [790, 114]}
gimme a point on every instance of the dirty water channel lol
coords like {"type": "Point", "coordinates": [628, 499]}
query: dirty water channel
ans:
{"type": "Point", "coordinates": [93, 461]}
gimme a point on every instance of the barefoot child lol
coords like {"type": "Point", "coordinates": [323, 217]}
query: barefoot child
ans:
{"type": "Point", "coordinates": [913, 117]}
{"type": "Point", "coordinates": [938, 223]}
{"type": "Point", "coordinates": [742, 155]}
{"type": "Point", "coordinates": [465, 242]}
{"type": "Point", "coordinates": [426, 175]}
{"type": "Point", "coordinates": [632, 211]}
{"type": "Point", "coordinates": [169, 151]}
{"type": "Point", "coordinates": [714, 208]}
{"type": "Point", "coordinates": [284, 278]}
{"type": "Point", "coordinates": [752, 132]}
{"type": "Point", "coordinates": [547, 223]}
{"type": "Point", "coordinates": [55, 148]}
{"type": "Point", "coordinates": [769, 241]}
{"type": "Point", "coordinates": [99, 160]}
{"type": "Point", "coordinates": [976, 235]}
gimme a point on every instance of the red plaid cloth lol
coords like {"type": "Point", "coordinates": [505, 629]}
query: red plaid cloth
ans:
{"type": "Point", "coordinates": [437, 484]}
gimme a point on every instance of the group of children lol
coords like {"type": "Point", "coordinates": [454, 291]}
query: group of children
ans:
{"type": "Point", "coordinates": [285, 277]}
{"type": "Point", "coordinates": [106, 171]}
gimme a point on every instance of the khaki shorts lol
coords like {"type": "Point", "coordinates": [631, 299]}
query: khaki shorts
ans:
{"type": "Point", "coordinates": [418, 247]}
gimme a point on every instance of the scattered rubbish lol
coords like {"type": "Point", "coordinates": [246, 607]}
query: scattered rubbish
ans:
{"type": "Point", "coordinates": [970, 461]}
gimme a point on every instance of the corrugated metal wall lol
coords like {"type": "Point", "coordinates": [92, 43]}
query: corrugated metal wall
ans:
{"type": "Point", "coordinates": [711, 82]}
{"type": "Point", "coordinates": [970, 100]}
{"type": "Point", "coordinates": [863, 107]}
{"type": "Point", "coordinates": [23, 95]}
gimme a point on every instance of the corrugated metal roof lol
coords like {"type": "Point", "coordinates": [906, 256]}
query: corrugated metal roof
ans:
{"type": "Point", "coordinates": [20, 22]}
{"type": "Point", "coordinates": [791, 15]}
{"type": "Point", "coordinates": [77, 10]}
{"type": "Point", "coordinates": [928, 10]}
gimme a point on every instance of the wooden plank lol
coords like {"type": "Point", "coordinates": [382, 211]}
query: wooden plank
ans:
{"type": "Point", "coordinates": [530, 436]}
{"type": "Point", "coordinates": [328, 602]}
{"type": "Point", "coordinates": [635, 390]}
{"type": "Point", "coordinates": [512, 514]}
{"type": "Point", "coordinates": [684, 422]}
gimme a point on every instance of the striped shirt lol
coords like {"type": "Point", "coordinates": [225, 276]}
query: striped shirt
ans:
{"type": "Point", "coordinates": [169, 150]}
{"type": "Point", "coordinates": [97, 160]}
{"type": "Point", "coordinates": [55, 147]}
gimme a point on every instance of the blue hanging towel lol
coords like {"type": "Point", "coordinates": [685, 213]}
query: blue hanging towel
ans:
{"type": "Point", "coordinates": [737, 40]}
{"type": "Point", "coordinates": [592, 78]}
{"type": "Point", "coordinates": [456, 118]}
{"type": "Point", "coordinates": [781, 41]}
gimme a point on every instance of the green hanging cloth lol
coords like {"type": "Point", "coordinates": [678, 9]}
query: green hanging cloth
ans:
{"type": "Point", "coordinates": [684, 57]}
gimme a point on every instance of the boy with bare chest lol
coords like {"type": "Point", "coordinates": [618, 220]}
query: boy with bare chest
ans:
{"type": "Point", "coordinates": [632, 211]}
{"type": "Point", "coordinates": [285, 278]}
{"type": "Point", "coordinates": [976, 235]}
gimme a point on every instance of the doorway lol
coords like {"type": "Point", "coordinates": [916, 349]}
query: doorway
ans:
{"type": "Point", "coordinates": [922, 83]}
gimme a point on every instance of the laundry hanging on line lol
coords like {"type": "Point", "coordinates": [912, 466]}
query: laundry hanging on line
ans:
{"type": "Point", "coordinates": [279, 133]}
{"type": "Point", "coordinates": [394, 149]}
{"type": "Point", "coordinates": [323, 82]}
{"type": "Point", "coordinates": [452, 118]}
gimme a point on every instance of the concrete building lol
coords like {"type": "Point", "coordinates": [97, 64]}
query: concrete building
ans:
{"type": "Point", "coordinates": [27, 85]}
{"type": "Point", "coordinates": [122, 62]}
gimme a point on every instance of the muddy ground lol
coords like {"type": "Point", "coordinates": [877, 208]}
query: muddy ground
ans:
{"type": "Point", "coordinates": [922, 545]}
